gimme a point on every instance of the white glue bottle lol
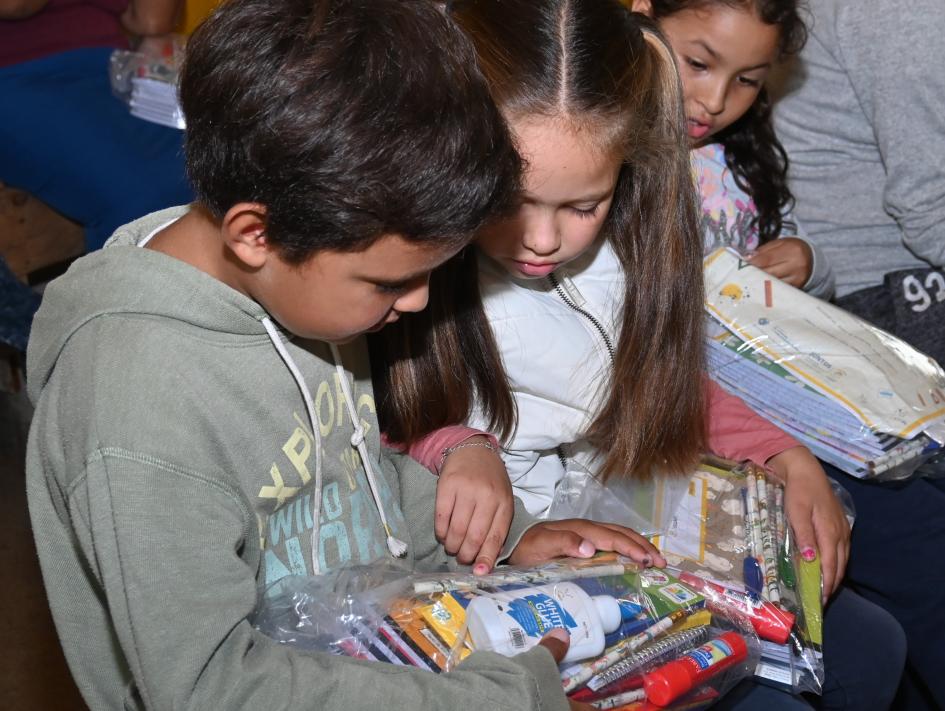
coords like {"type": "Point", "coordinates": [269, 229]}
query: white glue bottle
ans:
{"type": "Point", "coordinates": [512, 621]}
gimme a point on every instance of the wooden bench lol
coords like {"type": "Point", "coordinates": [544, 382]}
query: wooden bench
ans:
{"type": "Point", "coordinates": [34, 238]}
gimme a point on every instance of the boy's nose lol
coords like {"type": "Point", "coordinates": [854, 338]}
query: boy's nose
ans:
{"type": "Point", "coordinates": [415, 299]}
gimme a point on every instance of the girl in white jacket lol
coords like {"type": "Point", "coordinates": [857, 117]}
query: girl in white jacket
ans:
{"type": "Point", "coordinates": [574, 329]}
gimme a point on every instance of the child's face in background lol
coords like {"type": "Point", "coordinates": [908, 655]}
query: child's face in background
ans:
{"type": "Point", "coordinates": [568, 189]}
{"type": "Point", "coordinates": [337, 296]}
{"type": "Point", "coordinates": [724, 55]}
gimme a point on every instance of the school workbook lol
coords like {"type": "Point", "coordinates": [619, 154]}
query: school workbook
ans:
{"type": "Point", "coordinates": [857, 396]}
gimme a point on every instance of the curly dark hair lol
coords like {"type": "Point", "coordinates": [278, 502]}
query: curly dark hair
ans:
{"type": "Point", "coordinates": [753, 153]}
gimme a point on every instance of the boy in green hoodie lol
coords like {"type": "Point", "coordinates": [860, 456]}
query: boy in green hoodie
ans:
{"type": "Point", "coordinates": [205, 423]}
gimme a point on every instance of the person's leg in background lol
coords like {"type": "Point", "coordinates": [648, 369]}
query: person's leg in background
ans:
{"type": "Point", "coordinates": [897, 560]}
{"type": "Point", "coordinates": [864, 654]}
{"type": "Point", "coordinates": [69, 142]}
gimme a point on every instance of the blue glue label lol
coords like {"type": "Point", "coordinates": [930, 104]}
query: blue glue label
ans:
{"type": "Point", "coordinates": [709, 654]}
{"type": "Point", "coordinates": [539, 613]}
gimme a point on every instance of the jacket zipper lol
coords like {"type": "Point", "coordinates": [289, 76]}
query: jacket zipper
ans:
{"type": "Point", "coordinates": [556, 285]}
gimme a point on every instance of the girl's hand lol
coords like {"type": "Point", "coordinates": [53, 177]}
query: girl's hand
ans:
{"type": "Point", "coordinates": [790, 259]}
{"type": "Point", "coordinates": [815, 514]}
{"type": "Point", "coordinates": [473, 505]}
{"type": "Point", "coordinates": [579, 538]}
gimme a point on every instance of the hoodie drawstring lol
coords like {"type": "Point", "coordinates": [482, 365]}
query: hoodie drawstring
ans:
{"type": "Point", "coordinates": [316, 435]}
{"type": "Point", "coordinates": [396, 547]}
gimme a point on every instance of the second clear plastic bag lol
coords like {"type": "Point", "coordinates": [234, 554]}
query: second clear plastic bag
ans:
{"type": "Point", "coordinates": [730, 539]}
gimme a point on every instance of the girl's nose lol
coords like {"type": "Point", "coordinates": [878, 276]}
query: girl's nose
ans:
{"type": "Point", "coordinates": [713, 97]}
{"type": "Point", "coordinates": [541, 235]}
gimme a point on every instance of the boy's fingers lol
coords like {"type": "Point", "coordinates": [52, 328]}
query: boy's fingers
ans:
{"type": "Point", "coordinates": [626, 541]}
{"type": "Point", "coordinates": [445, 500]}
{"type": "Point", "coordinates": [495, 539]}
{"type": "Point", "coordinates": [552, 543]}
{"type": "Point", "coordinates": [557, 642]}
{"type": "Point", "coordinates": [459, 523]}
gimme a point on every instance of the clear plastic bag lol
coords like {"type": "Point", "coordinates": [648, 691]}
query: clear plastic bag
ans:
{"type": "Point", "coordinates": [856, 396]}
{"type": "Point", "coordinates": [731, 540]}
{"type": "Point", "coordinates": [639, 637]}
{"type": "Point", "coordinates": [646, 507]}
{"type": "Point", "coordinates": [146, 80]}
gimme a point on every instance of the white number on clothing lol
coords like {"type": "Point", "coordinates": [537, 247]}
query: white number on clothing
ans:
{"type": "Point", "coordinates": [918, 294]}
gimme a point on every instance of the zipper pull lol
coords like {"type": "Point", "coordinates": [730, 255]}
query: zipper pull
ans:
{"type": "Point", "coordinates": [570, 289]}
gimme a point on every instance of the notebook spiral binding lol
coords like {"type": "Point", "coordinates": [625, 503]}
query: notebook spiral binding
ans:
{"type": "Point", "coordinates": [651, 652]}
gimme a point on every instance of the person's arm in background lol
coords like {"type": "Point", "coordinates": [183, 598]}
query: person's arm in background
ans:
{"type": "Point", "coordinates": [795, 259]}
{"type": "Point", "coordinates": [886, 50]}
{"type": "Point", "coordinates": [20, 9]}
{"type": "Point", "coordinates": [151, 18]}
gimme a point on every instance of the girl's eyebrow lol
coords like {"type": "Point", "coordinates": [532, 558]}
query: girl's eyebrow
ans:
{"type": "Point", "coordinates": [715, 55]}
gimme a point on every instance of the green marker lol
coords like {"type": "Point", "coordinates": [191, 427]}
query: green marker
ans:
{"type": "Point", "coordinates": [810, 584]}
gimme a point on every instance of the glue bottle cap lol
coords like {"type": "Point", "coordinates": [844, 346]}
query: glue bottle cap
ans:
{"type": "Point", "coordinates": [612, 612]}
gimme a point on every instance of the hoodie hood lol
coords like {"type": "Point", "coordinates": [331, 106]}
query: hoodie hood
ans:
{"type": "Point", "coordinates": [110, 282]}
{"type": "Point", "coordinates": [125, 280]}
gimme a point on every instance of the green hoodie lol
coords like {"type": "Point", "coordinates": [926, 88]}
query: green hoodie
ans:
{"type": "Point", "coordinates": [174, 472]}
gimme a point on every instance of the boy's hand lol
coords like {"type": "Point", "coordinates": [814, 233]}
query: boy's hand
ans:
{"type": "Point", "coordinates": [790, 259]}
{"type": "Point", "coordinates": [578, 538]}
{"type": "Point", "coordinates": [557, 642]}
{"type": "Point", "coordinates": [473, 506]}
{"type": "Point", "coordinates": [814, 513]}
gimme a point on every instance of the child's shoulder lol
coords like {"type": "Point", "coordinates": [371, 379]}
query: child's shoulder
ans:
{"type": "Point", "coordinates": [709, 157]}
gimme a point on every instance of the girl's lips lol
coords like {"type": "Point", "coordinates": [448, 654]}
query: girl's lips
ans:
{"type": "Point", "coordinates": [697, 129]}
{"type": "Point", "coordinates": [535, 270]}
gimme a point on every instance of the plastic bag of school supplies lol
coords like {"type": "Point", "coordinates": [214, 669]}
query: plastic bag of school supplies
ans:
{"type": "Point", "coordinates": [858, 397]}
{"type": "Point", "coordinates": [731, 541]}
{"type": "Point", "coordinates": [146, 80]}
{"type": "Point", "coordinates": [635, 633]}
{"type": "Point", "coordinates": [646, 507]}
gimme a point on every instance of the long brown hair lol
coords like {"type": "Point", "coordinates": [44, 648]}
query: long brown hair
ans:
{"type": "Point", "coordinates": [595, 64]}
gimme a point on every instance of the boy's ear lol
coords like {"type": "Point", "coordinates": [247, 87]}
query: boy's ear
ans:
{"type": "Point", "coordinates": [244, 233]}
{"type": "Point", "coordinates": [642, 6]}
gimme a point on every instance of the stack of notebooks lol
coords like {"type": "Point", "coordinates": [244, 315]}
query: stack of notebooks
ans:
{"type": "Point", "coordinates": [828, 429]}
{"type": "Point", "coordinates": [155, 100]}
{"type": "Point", "coordinates": [147, 82]}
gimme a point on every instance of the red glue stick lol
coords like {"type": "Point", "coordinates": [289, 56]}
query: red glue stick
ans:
{"type": "Point", "coordinates": [667, 683]}
{"type": "Point", "coordinates": [770, 621]}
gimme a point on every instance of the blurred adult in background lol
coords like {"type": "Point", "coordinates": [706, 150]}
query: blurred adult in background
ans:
{"type": "Point", "coordinates": [64, 137]}
{"type": "Point", "coordinates": [863, 122]}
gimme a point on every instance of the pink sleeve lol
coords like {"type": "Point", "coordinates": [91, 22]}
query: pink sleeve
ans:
{"type": "Point", "coordinates": [736, 432]}
{"type": "Point", "coordinates": [429, 450]}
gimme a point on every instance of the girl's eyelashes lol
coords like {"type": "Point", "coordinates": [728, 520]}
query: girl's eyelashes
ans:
{"type": "Point", "coordinates": [696, 64]}
{"type": "Point", "coordinates": [748, 81]}
{"type": "Point", "coordinates": [587, 212]}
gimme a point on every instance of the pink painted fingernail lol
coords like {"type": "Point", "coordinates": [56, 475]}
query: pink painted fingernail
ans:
{"type": "Point", "coordinates": [480, 569]}
{"type": "Point", "coordinates": [587, 549]}
{"type": "Point", "coordinates": [809, 554]}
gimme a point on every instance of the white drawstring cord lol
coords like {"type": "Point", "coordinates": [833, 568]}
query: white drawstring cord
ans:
{"type": "Point", "coordinates": [276, 339]}
{"type": "Point", "coordinates": [397, 547]}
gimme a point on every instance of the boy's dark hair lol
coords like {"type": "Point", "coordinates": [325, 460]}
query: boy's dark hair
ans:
{"type": "Point", "coordinates": [753, 153]}
{"type": "Point", "coordinates": [347, 119]}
